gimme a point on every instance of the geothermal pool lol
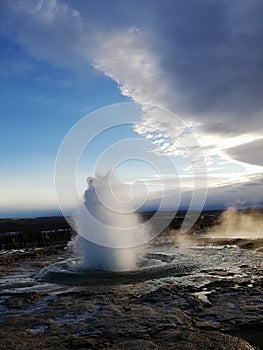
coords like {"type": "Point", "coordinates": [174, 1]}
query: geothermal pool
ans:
{"type": "Point", "coordinates": [159, 262]}
{"type": "Point", "coordinates": [176, 291]}
{"type": "Point", "coordinates": [198, 293]}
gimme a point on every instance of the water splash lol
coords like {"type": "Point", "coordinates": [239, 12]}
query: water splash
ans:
{"type": "Point", "coordinates": [108, 228]}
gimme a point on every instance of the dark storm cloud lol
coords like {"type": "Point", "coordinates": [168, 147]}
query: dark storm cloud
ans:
{"type": "Point", "coordinates": [212, 54]}
{"type": "Point", "coordinates": [201, 59]}
{"type": "Point", "coordinates": [209, 52]}
{"type": "Point", "coordinates": [251, 152]}
{"type": "Point", "coordinates": [237, 195]}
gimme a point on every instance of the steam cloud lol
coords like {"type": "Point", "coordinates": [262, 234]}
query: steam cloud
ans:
{"type": "Point", "coordinates": [236, 224]}
{"type": "Point", "coordinates": [108, 230]}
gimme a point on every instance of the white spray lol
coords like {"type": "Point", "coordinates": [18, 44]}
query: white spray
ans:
{"type": "Point", "coordinates": [108, 230]}
{"type": "Point", "coordinates": [237, 224]}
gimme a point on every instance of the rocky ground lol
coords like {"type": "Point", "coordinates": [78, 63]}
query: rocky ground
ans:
{"type": "Point", "coordinates": [218, 307]}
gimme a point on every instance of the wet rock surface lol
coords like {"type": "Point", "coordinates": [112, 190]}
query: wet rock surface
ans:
{"type": "Point", "coordinates": [216, 306]}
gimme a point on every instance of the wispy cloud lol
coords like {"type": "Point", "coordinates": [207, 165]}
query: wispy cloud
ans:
{"type": "Point", "coordinates": [208, 73]}
{"type": "Point", "coordinates": [201, 61]}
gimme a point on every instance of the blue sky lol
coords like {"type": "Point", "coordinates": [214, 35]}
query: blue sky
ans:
{"type": "Point", "coordinates": [39, 104]}
{"type": "Point", "coordinates": [62, 60]}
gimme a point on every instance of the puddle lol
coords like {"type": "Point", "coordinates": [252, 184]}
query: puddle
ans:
{"type": "Point", "coordinates": [40, 305]}
{"type": "Point", "coordinates": [35, 309]}
{"type": "Point", "coordinates": [38, 328]}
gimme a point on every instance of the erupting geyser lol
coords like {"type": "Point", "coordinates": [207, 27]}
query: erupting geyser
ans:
{"type": "Point", "coordinates": [108, 229]}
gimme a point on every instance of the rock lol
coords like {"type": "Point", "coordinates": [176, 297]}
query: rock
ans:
{"type": "Point", "coordinates": [136, 344]}
{"type": "Point", "coordinates": [207, 341]}
{"type": "Point", "coordinates": [162, 313]}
